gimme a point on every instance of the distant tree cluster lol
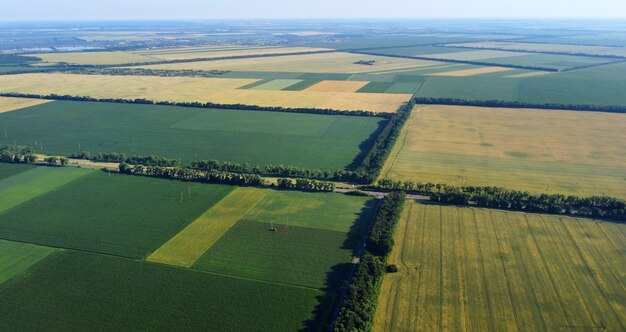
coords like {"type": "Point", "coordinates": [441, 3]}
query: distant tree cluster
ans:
{"type": "Point", "coordinates": [122, 158]}
{"type": "Point", "coordinates": [365, 62]}
{"type": "Point", "coordinates": [17, 154]}
{"type": "Point", "coordinates": [54, 161]}
{"type": "Point", "coordinates": [306, 185]}
{"type": "Point", "coordinates": [501, 198]}
{"type": "Point", "coordinates": [517, 104]}
{"type": "Point", "coordinates": [359, 306]}
{"type": "Point", "coordinates": [145, 72]}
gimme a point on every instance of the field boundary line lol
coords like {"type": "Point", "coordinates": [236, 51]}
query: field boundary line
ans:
{"type": "Point", "coordinates": [186, 247]}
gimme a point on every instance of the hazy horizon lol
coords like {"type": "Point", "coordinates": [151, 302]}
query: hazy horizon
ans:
{"type": "Point", "coordinates": [74, 10]}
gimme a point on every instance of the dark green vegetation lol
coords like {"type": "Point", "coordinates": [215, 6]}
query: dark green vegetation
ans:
{"type": "Point", "coordinates": [290, 254]}
{"type": "Point", "coordinates": [188, 174]}
{"type": "Point", "coordinates": [80, 291]}
{"type": "Point", "coordinates": [140, 215]}
{"type": "Point", "coordinates": [359, 306]}
{"type": "Point", "coordinates": [501, 198]}
{"type": "Point", "coordinates": [305, 140]}
{"type": "Point", "coordinates": [7, 170]}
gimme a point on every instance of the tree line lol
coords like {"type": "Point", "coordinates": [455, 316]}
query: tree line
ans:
{"type": "Point", "coordinates": [122, 158]}
{"type": "Point", "coordinates": [17, 154]}
{"type": "Point", "coordinates": [143, 101]}
{"type": "Point", "coordinates": [359, 306]}
{"type": "Point", "coordinates": [306, 185]}
{"type": "Point", "coordinates": [502, 198]}
{"type": "Point", "coordinates": [589, 55]}
{"type": "Point", "coordinates": [518, 104]}
{"type": "Point", "coordinates": [187, 174]}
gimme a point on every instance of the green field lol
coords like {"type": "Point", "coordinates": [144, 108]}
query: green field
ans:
{"type": "Point", "coordinates": [18, 257]}
{"type": "Point", "coordinates": [603, 85]}
{"type": "Point", "coordinates": [121, 215]}
{"type": "Point", "coordinates": [464, 269]}
{"type": "Point", "coordinates": [293, 255]}
{"type": "Point", "coordinates": [305, 140]}
{"type": "Point", "coordinates": [34, 182]}
{"type": "Point", "coordinates": [80, 291]}
{"type": "Point", "coordinates": [7, 170]}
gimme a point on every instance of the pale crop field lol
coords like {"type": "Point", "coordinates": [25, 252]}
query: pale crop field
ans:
{"type": "Point", "coordinates": [8, 104]}
{"type": "Point", "coordinates": [541, 151]}
{"type": "Point", "coordinates": [94, 58]}
{"type": "Point", "coordinates": [465, 269]}
{"type": "Point", "coordinates": [195, 89]}
{"type": "Point", "coordinates": [338, 86]}
{"type": "Point", "coordinates": [191, 243]}
{"type": "Point", "coordinates": [474, 55]}
{"type": "Point", "coordinates": [542, 47]}
{"type": "Point", "coordinates": [338, 62]}
{"type": "Point", "coordinates": [223, 51]}
{"type": "Point", "coordinates": [471, 72]}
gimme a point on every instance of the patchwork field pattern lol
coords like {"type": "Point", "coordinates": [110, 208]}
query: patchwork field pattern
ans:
{"type": "Point", "coordinates": [338, 86]}
{"type": "Point", "coordinates": [195, 89]}
{"type": "Point", "coordinates": [186, 247]}
{"type": "Point", "coordinates": [464, 269]}
{"type": "Point", "coordinates": [523, 149]}
{"type": "Point", "coordinates": [121, 228]}
{"type": "Point", "coordinates": [8, 170]}
{"type": "Point", "coordinates": [8, 104]}
{"type": "Point", "coordinates": [304, 140]}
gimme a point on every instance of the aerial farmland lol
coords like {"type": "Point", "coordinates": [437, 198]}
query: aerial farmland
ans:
{"type": "Point", "coordinates": [354, 175]}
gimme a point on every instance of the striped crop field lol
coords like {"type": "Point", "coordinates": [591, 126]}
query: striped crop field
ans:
{"type": "Point", "coordinates": [466, 269]}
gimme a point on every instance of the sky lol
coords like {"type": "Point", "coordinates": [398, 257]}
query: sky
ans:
{"type": "Point", "coordinates": [17, 10]}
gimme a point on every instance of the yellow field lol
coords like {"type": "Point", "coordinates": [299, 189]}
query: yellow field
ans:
{"type": "Point", "coordinates": [311, 63]}
{"type": "Point", "coordinates": [542, 47]}
{"type": "Point", "coordinates": [338, 86]}
{"type": "Point", "coordinates": [474, 55]}
{"type": "Point", "coordinates": [8, 104]}
{"type": "Point", "coordinates": [471, 72]}
{"type": "Point", "coordinates": [186, 247]}
{"type": "Point", "coordinates": [464, 269]}
{"type": "Point", "coordinates": [529, 74]}
{"type": "Point", "coordinates": [541, 151]}
{"type": "Point", "coordinates": [219, 51]}
{"type": "Point", "coordinates": [189, 89]}
{"type": "Point", "coordinates": [94, 58]}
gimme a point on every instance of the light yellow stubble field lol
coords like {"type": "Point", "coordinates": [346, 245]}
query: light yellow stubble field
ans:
{"type": "Point", "coordinates": [465, 269]}
{"type": "Point", "coordinates": [542, 151]}
{"type": "Point", "coordinates": [337, 62]}
{"type": "Point", "coordinates": [8, 104]}
{"type": "Point", "coordinates": [195, 89]}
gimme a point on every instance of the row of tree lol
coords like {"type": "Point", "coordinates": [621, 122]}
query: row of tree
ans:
{"type": "Point", "coordinates": [187, 174]}
{"type": "Point", "coordinates": [589, 55]}
{"type": "Point", "coordinates": [518, 104]}
{"type": "Point", "coordinates": [122, 158]}
{"type": "Point", "coordinates": [131, 71]}
{"type": "Point", "coordinates": [359, 306]}
{"type": "Point", "coordinates": [17, 154]}
{"type": "Point", "coordinates": [306, 185]}
{"type": "Point", "coordinates": [144, 101]}
{"type": "Point", "coordinates": [502, 198]}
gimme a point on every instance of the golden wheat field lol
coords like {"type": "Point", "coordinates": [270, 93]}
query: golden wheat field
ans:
{"type": "Point", "coordinates": [337, 62]}
{"type": "Point", "coordinates": [542, 151]}
{"type": "Point", "coordinates": [466, 269]}
{"type": "Point", "coordinates": [192, 89]}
